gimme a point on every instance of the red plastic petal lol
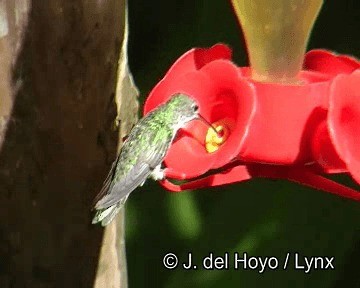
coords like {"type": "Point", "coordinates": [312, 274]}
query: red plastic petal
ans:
{"type": "Point", "coordinates": [344, 120]}
{"type": "Point", "coordinates": [235, 105]}
{"type": "Point", "coordinates": [324, 151]}
{"type": "Point", "coordinates": [192, 60]}
{"type": "Point", "coordinates": [329, 63]}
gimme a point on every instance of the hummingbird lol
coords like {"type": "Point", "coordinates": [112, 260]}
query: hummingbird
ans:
{"type": "Point", "coordinates": [142, 154]}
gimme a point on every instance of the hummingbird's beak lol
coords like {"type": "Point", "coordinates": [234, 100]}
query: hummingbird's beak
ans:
{"type": "Point", "coordinates": [200, 117]}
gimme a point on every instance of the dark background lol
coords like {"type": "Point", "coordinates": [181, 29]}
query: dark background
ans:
{"type": "Point", "coordinates": [260, 217]}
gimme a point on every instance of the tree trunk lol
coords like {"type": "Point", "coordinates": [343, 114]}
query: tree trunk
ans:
{"type": "Point", "coordinates": [60, 90]}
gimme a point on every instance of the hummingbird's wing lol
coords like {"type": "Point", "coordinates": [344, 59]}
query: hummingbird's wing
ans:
{"type": "Point", "coordinates": [122, 187]}
{"type": "Point", "coordinates": [107, 183]}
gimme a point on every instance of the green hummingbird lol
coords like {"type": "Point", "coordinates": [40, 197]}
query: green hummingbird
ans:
{"type": "Point", "coordinates": [142, 154]}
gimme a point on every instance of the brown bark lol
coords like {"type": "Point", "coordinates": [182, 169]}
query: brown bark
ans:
{"type": "Point", "coordinates": [59, 62]}
{"type": "Point", "coordinates": [111, 272]}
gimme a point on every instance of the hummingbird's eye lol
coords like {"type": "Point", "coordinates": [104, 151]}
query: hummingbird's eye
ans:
{"type": "Point", "coordinates": [196, 108]}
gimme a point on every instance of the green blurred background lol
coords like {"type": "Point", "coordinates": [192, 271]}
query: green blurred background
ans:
{"type": "Point", "coordinates": [260, 217]}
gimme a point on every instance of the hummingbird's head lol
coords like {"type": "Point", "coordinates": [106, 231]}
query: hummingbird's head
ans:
{"type": "Point", "coordinates": [183, 109]}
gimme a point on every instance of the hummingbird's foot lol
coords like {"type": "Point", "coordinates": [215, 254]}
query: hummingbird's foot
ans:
{"type": "Point", "coordinates": [158, 173]}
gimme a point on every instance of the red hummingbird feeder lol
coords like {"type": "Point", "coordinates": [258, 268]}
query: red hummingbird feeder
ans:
{"type": "Point", "coordinates": [287, 116]}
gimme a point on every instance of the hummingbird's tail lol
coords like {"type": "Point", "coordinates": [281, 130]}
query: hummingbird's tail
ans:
{"type": "Point", "coordinates": [105, 216]}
